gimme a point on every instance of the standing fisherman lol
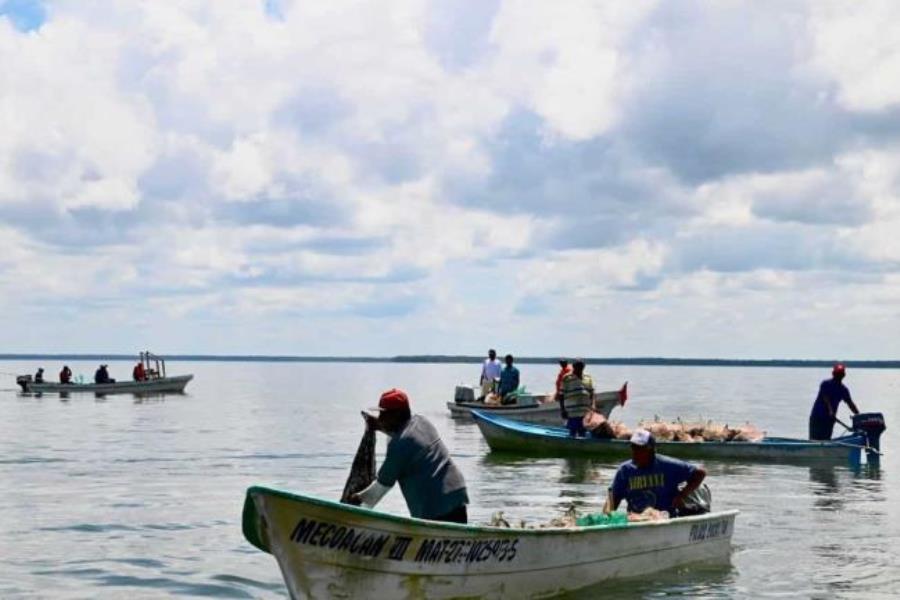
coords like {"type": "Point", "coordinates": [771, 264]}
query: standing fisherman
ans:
{"type": "Point", "coordinates": [564, 369]}
{"type": "Point", "coordinates": [824, 411]}
{"type": "Point", "coordinates": [490, 372]}
{"type": "Point", "coordinates": [576, 398]}
{"type": "Point", "coordinates": [432, 485]}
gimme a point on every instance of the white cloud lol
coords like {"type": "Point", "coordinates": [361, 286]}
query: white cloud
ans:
{"type": "Point", "coordinates": [855, 45]}
{"type": "Point", "coordinates": [566, 61]}
{"type": "Point", "coordinates": [519, 169]}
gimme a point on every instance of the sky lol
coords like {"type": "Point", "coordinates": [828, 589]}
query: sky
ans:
{"type": "Point", "coordinates": [642, 178]}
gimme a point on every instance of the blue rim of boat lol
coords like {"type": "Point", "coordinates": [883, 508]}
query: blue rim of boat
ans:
{"type": "Point", "coordinates": [853, 441]}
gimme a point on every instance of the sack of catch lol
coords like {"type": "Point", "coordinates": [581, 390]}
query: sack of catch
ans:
{"type": "Point", "coordinates": [362, 473]}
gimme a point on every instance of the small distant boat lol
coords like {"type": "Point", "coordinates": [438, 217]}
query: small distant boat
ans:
{"type": "Point", "coordinates": [157, 382]}
{"type": "Point", "coordinates": [330, 550]}
{"type": "Point", "coordinates": [507, 435]}
{"type": "Point", "coordinates": [532, 408]}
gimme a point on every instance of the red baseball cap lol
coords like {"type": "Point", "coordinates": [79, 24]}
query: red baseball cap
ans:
{"type": "Point", "coordinates": [393, 399]}
{"type": "Point", "coordinates": [838, 369]}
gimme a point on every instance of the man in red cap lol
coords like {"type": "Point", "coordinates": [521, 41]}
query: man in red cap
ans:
{"type": "Point", "coordinates": [416, 457]}
{"type": "Point", "coordinates": [824, 411]}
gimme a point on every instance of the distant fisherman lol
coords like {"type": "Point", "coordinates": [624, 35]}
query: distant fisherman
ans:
{"type": "Point", "coordinates": [564, 369]}
{"type": "Point", "coordinates": [576, 398]}
{"type": "Point", "coordinates": [490, 372]}
{"type": "Point", "coordinates": [432, 485]}
{"type": "Point", "coordinates": [138, 373]}
{"type": "Point", "coordinates": [824, 411]}
{"type": "Point", "coordinates": [65, 376]}
{"type": "Point", "coordinates": [39, 376]}
{"type": "Point", "coordinates": [102, 375]}
{"type": "Point", "coordinates": [509, 381]}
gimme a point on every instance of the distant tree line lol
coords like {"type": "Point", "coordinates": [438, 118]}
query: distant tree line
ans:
{"type": "Point", "coordinates": [461, 358]}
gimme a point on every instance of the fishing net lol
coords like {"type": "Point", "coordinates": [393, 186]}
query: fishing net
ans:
{"type": "Point", "coordinates": [362, 472]}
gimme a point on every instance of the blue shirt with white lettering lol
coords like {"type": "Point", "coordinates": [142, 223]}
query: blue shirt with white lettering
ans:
{"type": "Point", "coordinates": [509, 380]}
{"type": "Point", "coordinates": [655, 486]}
{"type": "Point", "coordinates": [832, 392]}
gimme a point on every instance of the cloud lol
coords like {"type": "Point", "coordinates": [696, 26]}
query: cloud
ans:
{"type": "Point", "coordinates": [854, 48]}
{"type": "Point", "coordinates": [722, 90]}
{"type": "Point", "coordinates": [416, 174]}
{"type": "Point", "coordinates": [815, 197]}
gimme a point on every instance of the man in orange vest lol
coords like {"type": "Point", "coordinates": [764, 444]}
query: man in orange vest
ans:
{"type": "Point", "coordinates": [138, 373]}
{"type": "Point", "coordinates": [564, 369]}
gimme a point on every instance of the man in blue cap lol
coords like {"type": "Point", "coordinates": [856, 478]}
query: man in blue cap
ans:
{"type": "Point", "coordinates": [651, 480]}
{"type": "Point", "coordinates": [824, 411]}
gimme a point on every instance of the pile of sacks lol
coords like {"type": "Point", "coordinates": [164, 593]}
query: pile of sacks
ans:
{"type": "Point", "coordinates": [603, 428]}
{"type": "Point", "coordinates": [677, 431]}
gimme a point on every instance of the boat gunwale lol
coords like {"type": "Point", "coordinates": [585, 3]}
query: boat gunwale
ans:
{"type": "Point", "coordinates": [54, 387]}
{"type": "Point", "coordinates": [549, 405]}
{"type": "Point", "coordinates": [560, 433]}
{"type": "Point", "coordinates": [376, 516]}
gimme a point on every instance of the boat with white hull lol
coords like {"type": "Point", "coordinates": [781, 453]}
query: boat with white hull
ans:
{"type": "Point", "coordinates": [154, 381]}
{"type": "Point", "coordinates": [541, 409]}
{"type": "Point", "coordinates": [330, 550]}
{"type": "Point", "coordinates": [159, 385]}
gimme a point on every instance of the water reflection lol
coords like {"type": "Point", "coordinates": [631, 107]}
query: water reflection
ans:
{"type": "Point", "coordinates": [868, 472]}
{"type": "Point", "coordinates": [153, 398]}
{"type": "Point", "coordinates": [576, 470]}
{"type": "Point", "coordinates": [693, 581]}
{"type": "Point", "coordinates": [855, 495]}
{"type": "Point", "coordinates": [825, 488]}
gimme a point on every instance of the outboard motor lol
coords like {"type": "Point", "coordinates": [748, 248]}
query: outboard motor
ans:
{"type": "Point", "coordinates": [23, 381]}
{"type": "Point", "coordinates": [872, 425]}
{"type": "Point", "coordinates": [464, 393]}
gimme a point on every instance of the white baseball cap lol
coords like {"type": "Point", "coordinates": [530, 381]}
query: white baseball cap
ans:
{"type": "Point", "coordinates": [642, 437]}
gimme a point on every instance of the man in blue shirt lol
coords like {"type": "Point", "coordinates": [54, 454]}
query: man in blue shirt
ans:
{"type": "Point", "coordinates": [824, 411]}
{"type": "Point", "coordinates": [418, 460]}
{"type": "Point", "coordinates": [509, 380]}
{"type": "Point", "coordinates": [651, 480]}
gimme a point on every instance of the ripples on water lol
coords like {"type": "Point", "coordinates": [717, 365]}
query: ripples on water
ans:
{"type": "Point", "coordinates": [108, 497]}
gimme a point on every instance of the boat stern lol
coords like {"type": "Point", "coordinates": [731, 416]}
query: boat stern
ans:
{"type": "Point", "coordinates": [24, 381]}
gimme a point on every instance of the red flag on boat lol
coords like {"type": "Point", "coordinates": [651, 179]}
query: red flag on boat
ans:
{"type": "Point", "coordinates": [623, 394]}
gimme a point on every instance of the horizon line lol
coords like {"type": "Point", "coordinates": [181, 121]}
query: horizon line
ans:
{"type": "Point", "coordinates": [466, 358]}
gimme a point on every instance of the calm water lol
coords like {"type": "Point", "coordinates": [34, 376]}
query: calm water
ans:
{"type": "Point", "coordinates": [142, 498]}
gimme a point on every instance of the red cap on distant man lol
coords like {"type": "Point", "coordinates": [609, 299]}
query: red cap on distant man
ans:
{"type": "Point", "coordinates": [393, 399]}
{"type": "Point", "coordinates": [839, 369]}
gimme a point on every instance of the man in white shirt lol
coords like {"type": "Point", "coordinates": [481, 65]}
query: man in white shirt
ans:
{"type": "Point", "coordinates": [490, 372]}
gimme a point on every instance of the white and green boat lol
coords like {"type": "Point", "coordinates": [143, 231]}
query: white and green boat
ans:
{"type": "Point", "coordinates": [330, 550]}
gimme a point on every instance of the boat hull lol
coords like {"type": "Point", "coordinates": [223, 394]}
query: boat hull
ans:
{"type": "Point", "coordinates": [331, 550]}
{"type": "Point", "coordinates": [153, 386]}
{"type": "Point", "coordinates": [546, 413]}
{"type": "Point", "coordinates": [507, 435]}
